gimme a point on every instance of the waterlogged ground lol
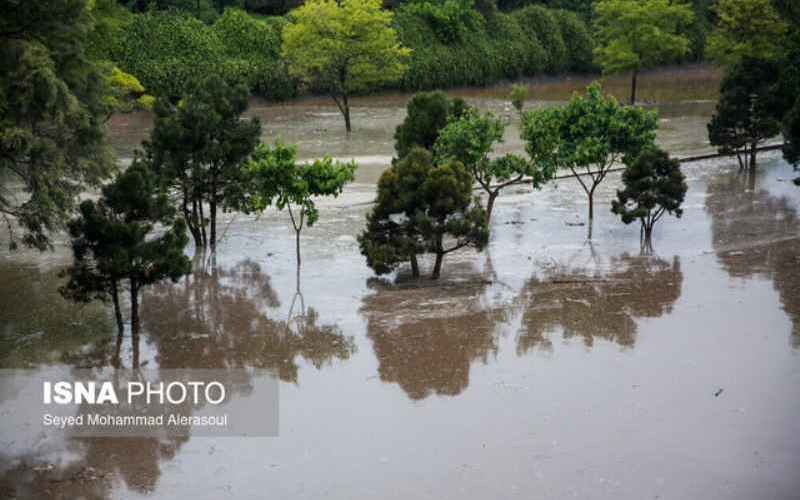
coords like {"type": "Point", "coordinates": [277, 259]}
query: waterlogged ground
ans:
{"type": "Point", "coordinates": [547, 367]}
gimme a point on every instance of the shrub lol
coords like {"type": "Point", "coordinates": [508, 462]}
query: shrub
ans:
{"type": "Point", "coordinates": [252, 49]}
{"type": "Point", "coordinates": [577, 39]}
{"type": "Point", "coordinates": [543, 24]}
{"type": "Point", "coordinates": [168, 51]}
{"type": "Point", "coordinates": [449, 19]}
{"type": "Point", "coordinates": [498, 48]}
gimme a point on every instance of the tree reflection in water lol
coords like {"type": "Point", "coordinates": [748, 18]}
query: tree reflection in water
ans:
{"type": "Point", "coordinates": [757, 233]}
{"type": "Point", "coordinates": [598, 305]}
{"type": "Point", "coordinates": [426, 339]}
{"type": "Point", "coordinates": [218, 319]}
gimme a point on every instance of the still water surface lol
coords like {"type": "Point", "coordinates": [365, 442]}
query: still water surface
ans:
{"type": "Point", "coordinates": [547, 367]}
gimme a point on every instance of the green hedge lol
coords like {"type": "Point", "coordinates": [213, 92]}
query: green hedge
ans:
{"type": "Point", "coordinates": [577, 39]}
{"type": "Point", "coordinates": [452, 45]}
{"type": "Point", "coordinates": [254, 45]}
{"type": "Point", "coordinates": [525, 42]}
{"type": "Point", "coordinates": [542, 23]}
{"type": "Point", "coordinates": [169, 51]}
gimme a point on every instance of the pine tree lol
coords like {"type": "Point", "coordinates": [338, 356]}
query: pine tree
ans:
{"type": "Point", "coordinates": [421, 209]}
{"type": "Point", "coordinates": [748, 111]}
{"type": "Point", "coordinates": [653, 185]}
{"type": "Point", "coordinates": [129, 238]}
{"type": "Point", "coordinates": [199, 148]}
{"type": "Point", "coordinates": [52, 109]}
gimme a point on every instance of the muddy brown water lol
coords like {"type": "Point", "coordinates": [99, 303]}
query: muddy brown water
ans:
{"type": "Point", "coordinates": [547, 367]}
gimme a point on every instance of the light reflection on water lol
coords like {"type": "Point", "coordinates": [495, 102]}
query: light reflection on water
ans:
{"type": "Point", "coordinates": [547, 366]}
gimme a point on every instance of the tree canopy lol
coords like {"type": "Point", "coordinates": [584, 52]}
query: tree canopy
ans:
{"type": "Point", "coordinates": [343, 47]}
{"type": "Point", "coordinates": [115, 243]}
{"type": "Point", "coordinates": [53, 106]}
{"type": "Point", "coordinates": [745, 29]}
{"type": "Point", "coordinates": [632, 35]}
{"type": "Point", "coordinates": [587, 136]}
{"type": "Point", "coordinates": [427, 113]}
{"type": "Point", "coordinates": [470, 139]}
{"type": "Point", "coordinates": [199, 148]}
{"type": "Point", "coordinates": [422, 208]}
{"type": "Point", "coordinates": [748, 111]}
{"type": "Point", "coordinates": [275, 176]}
{"type": "Point", "coordinates": [653, 185]}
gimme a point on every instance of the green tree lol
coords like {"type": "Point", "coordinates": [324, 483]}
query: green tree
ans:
{"type": "Point", "coordinates": [275, 176]}
{"type": "Point", "coordinates": [115, 244]}
{"type": "Point", "coordinates": [422, 209]}
{"type": "Point", "coordinates": [470, 140]}
{"type": "Point", "coordinates": [745, 29]}
{"type": "Point", "coordinates": [587, 136]}
{"type": "Point", "coordinates": [343, 47]}
{"type": "Point", "coordinates": [427, 114]}
{"type": "Point", "coordinates": [653, 185]}
{"type": "Point", "coordinates": [200, 147]}
{"type": "Point", "coordinates": [52, 109]}
{"type": "Point", "coordinates": [632, 35]}
{"type": "Point", "coordinates": [748, 111]}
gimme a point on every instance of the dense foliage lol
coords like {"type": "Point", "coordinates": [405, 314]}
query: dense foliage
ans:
{"type": "Point", "coordinates": [422, 208]}
{"type": "Point", "coordinates": [525, 42]}
{"type": "Point", "coordinates": [427, 113]}
{"type": "Point", "coordinates": [653, 185]}
{"type": "Point", "coordinates": [343, 47]}
{"type": "Point", "coordinates": [746, 29]}
{"type": "Point", "coordinates": [252, 48]}
{"type": "Point", "coordinates": [453, 42]}
{"type": "Point", "coordinates": [633, 35]}
{"type": "Point", "coordinates": [170, 51]}
{"type": "Point", "coordinates": [53, 103]}
{"type": "Point", "coordinates": [115, 244]}
{"type": "Point", "coordinates": [748, 111]}
{"type": "Point", "coordinates": [199, 149]}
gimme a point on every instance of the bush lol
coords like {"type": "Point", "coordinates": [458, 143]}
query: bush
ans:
{"type": "Point", "coordinates": [450, 19]}
{"type": "Point", "coordinates": [499, 48]}
{"type": "Point", "coordinates": [170, 51]}
{"type": "Point", "coordinates": [452, 45]}
{"type": "Point", "coordinates": [252, 49]}
{"type": "Point", "coordinates": [167, 51]}
{"type": "Point", "coordinates": [577, 39]}
{"type": "Point", "coordinates": [543, 24]}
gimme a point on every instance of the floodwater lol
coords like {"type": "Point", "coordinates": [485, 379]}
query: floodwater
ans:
{"type": "Point", "coordinates": [547, 367]}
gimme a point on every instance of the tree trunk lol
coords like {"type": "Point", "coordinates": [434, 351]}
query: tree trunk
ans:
{"type": "Point", "coordinates": [117, 310]}
{"type": "Point", "coordinates": [490, 205]}
{"type": "Point", "coordinates": [591, 204]}
{"type": "Point", "coordinates": [135, 323]}
{"type": "Point", "coordinates": [753, 149]}
{"type": "Point", "coordinates": [213, 210]}
{"type": "Point", "coordinates": [346, 112]}
{"type": "Point", "coordinates": [202, 222]}
{"type": "Point", "coordinates": [414, 266]}
{"type": "Point", "coordinates": [115, 361]}
{"type": "Point", "coordinates": [189, 223]}
{"type": "Point", "coordinates": [633, 86]}
{"type": "Point", "coordinates": [437, 267]}
{"type": "Point", "coordinates": [297, 245]}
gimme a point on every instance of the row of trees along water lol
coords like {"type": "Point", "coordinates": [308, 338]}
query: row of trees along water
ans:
{"type": "Point", "coordinates": [56, 93]}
